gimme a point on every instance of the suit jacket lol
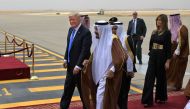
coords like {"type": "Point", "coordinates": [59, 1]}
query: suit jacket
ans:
{"type": "Point", "coordinates": [140, 27]}
{"type": "Point", "coordinates": [80, 49]}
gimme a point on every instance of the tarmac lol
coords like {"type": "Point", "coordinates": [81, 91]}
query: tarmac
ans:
{"type": "Point", "coordinates": [50, 30]}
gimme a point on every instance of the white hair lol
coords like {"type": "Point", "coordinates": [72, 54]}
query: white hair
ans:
{"type": "Point", "coordinates": [76, 14]}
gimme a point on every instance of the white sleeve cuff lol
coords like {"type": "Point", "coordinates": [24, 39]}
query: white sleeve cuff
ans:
{"type": "Point", "coordinates": [78, 67]}
{"type": "Point", "coordinates": [177, 51]}
{"type": "Point", "coordinates": [129, 65]}
{"type": "Point", "coordinates": [112, 69]}
{"type": "Point", "coordinates": [65, 60]}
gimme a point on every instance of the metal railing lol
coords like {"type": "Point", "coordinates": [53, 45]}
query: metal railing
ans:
{"type": "Point", "coordinates": [25, 46]}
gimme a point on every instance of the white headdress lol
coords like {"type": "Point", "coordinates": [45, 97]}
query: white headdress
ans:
{"type": "Point", "coordinates": [102, 55]}
{"type": "Point", "coordinates": [120, 32]}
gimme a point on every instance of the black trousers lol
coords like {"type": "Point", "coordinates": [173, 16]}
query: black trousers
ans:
{"type": "Point", "coordinates": [70, 83]}
{"type": "Point", "coordinates": [123, 95]}
{"type": "Point", "coordinates": [156, 70]}
{"type": "Point", "coordinates": [137, 47]}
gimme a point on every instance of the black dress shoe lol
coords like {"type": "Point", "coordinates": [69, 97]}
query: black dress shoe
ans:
{"type": "Point", "coordinates": [160, 101]}
{"type": "Point", "coordinates": [188, 98]}
{"type": "Point", "coordinates": [147, 105]}
{"type": "Point", "coordinates": [178, 89]}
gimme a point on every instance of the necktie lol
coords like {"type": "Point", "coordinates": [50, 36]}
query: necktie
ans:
{"type": "Point", "coordinates": [70, 43]}
{"type": "Point", "coordinates": [133, 28]}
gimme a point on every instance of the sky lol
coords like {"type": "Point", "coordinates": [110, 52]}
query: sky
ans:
{"type": "Point", "coordinates": [93, 4]}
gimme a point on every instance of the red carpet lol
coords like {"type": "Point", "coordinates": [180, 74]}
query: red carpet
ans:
{"type": "Point", "coordinates": [176, 101]}
{"type": "Point", "coordinates": [11, 68]}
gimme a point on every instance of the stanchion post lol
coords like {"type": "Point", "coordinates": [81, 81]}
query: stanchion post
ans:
{"type": "Point", "coordinates": [14, 45]}
{"type": "Point", "coordinates": [33, 58]}
{"type": "Point", "coordinates": [5, 42]}
{"type": "Point", "coordinates": [24, 51]}
{"type": "Point", "coordinates": [33, 77]}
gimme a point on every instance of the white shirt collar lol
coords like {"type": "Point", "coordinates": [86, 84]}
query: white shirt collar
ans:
{"type": "Point", "coordinates": [76, 29]}
{"type": "Point", "coordinates": [134, 19]}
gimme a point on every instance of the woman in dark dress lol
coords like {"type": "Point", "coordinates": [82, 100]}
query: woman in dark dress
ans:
{"type": "Point", "coordinates": [160, 54]}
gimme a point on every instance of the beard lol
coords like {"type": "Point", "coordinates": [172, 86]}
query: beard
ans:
{"type": "Point", "coordinates": [97, 37]}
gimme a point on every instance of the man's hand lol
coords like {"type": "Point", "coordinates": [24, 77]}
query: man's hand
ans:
{"type": "Point", "coordinates": [131, 74]}
{"type": "Point", "coordinates": [174, 56]}
{"type": "Point", "coordinates": [141, 37]}
{"type": "Point", "coordinates": [85, 62]}
{"type": "Point", "coordinates": [167, 64]}
{"type": "Point", "coordinates": [110, 74]}
{"type": "Point", "coordinates": [65, 64]}
{"type": "Point", "coordinates": [76, 70]}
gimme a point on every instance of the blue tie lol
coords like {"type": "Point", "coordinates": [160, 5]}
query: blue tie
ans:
{"type": "Point", "coordinates": [133, 31]}
{"type": "Point", "coordinates": [70, 43]}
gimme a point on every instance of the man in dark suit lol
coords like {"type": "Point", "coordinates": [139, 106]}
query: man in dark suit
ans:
{"type": "Point", "coordinates": [137, 30]}
{"type": "Point", "coordinates": [79, 41]}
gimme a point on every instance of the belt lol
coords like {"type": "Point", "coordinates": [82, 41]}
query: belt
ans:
{"type": "Point", "coordinates": [134, 35]}
{"type": "Point", "coordinates": [157, 46]}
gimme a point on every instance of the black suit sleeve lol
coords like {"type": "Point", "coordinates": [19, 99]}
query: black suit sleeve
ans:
{"type": "Point", "coordinates": [66, 52]}
{"type": "Point", "coordinates": [150, 43]}
{"type": "Point", "coordinates": [144, 28]}
{"type": "Point", "coordinates": [130, 41]}
{"type": "Point", "coordinates": [86, 44]}
{"type": "Point", "coordinates": [168, 45]}
{"type": "Point", "coordinates": [129, 29]}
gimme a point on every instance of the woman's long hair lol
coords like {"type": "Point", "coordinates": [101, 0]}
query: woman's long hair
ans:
{"type": "Point", "coordinates": [164, 20]}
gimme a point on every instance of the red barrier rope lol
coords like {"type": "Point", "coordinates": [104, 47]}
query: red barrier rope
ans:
{"type": "Point", "coordinates": [14, 41]}
{"type": "Point", "coordinates": [9, 40]}
{"type": "Point", "coordinates": [17, 43]}
{"type": "Point", "coordinates": [13, 52]}
{"type": "Point", "coordinates": [32, 50]}
{"type": "Point", "coordinates": [29, 53]}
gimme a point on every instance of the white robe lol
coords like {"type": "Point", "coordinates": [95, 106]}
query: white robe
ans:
{"type": "Point", "coordinates": [187, 105]}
